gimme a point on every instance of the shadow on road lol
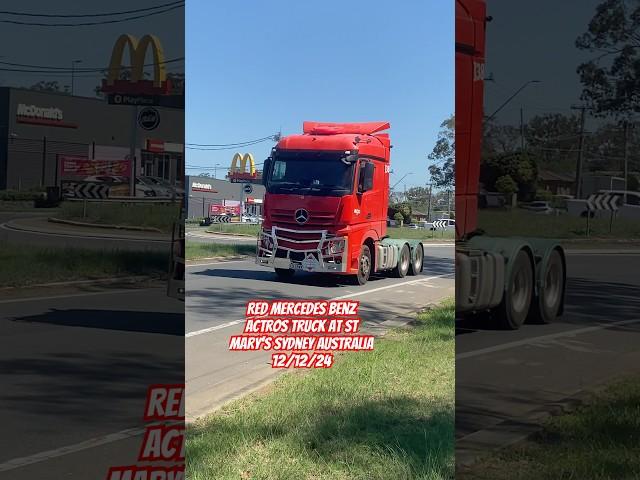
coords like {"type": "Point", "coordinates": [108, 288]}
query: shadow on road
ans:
{"type": "Point", "coordinates": [90, 386]}
{"type": "Point", "coordinates": [165, 323]}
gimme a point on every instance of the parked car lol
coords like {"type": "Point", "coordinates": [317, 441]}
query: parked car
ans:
{"type": "Point", "coordinates": [413, 226]}
{"type": "Point", "coordinates": [162, 187]}
{"type": "Point", "coordinates": [540, 207]}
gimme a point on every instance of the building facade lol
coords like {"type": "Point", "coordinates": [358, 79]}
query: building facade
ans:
{"type": "Point", "coordinates": [38, 128]}
{"type": "Point", "coordinates": [201, 193]}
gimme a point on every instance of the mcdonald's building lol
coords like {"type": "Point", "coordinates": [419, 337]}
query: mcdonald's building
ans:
{"type": "Point", "coordinates": [207, 196]}
{"type": "Point", "coordinates": [41, 131]}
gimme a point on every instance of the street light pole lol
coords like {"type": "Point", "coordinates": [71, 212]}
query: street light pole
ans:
{"type": "Point", "coordinates": [394, 186]}
{"type": "Point", "coordinates": [73, 71]}
{"type": "Point", "coordinates": [511, 98]}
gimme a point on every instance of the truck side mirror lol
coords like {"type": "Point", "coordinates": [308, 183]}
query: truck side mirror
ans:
{"type": "Point", "coordinates": [265, 170]}
{"type": "Point", "coordinates": [366, 177]}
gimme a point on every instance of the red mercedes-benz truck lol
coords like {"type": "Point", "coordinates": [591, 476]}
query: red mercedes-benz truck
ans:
{"type": "Point", "coordinates": [514, 279]}
{"type": "Point", "coordinates": [325, 206]}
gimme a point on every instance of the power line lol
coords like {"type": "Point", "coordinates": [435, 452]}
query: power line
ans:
{"type": "Point", "coordinates": [229, 144]}
{"type": "Point", "coordinates": [85, 24]}
{"type": "Point", "coordinates": [123, 12]}
{"type": "Point", "coordinates": [46, 68]}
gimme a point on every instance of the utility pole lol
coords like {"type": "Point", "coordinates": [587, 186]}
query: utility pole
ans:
{"type": "Point", "coordinates": [429, 204]}
{"type": "Point", "coordinates": [582, 109]}
{"type": "Point", "coordinates": [626, 159]}
{"type": "Point", "coordinates": [521, 129]}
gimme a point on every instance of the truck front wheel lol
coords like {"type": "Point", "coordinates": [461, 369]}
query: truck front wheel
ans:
{"type": "Point", "coordinates": [514, 308]}
{"type": "Point", "coordinates": [364, 265]}
{"type": "Point", "coordinates": [285, 273]}
{"type": "Point", "coordinates": [404, 260]}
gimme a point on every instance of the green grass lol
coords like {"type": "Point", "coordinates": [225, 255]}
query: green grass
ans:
{"type": "Point", "coordinates": [420, 234]}
{"type": "Point", "coordinates": [385, 414]}
{"type": "Point", "coordinates": [23, 266]}
{"type": "Point", "coordinates": [195, 250]}
{"type": "Point", "coordinates": [598, 441]}
{"type": "Point", "coordinates": [239, 228]}
{"type": "Point", "coordinates": [393, 232]}
{"type": "Point", "coordinates": [160, 216]}
{"type": "Point", "coordinates": [520, 222]}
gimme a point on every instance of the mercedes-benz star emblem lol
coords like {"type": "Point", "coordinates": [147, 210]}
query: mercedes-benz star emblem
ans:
{"type": "Point", "coordinates": [301, 216]}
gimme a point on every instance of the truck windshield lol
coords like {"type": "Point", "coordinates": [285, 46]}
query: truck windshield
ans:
{"type": "Point", "coordinates": [311, 173]}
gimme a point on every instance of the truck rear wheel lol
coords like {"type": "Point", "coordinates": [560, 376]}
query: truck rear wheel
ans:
{"type": "Point", "coordinates": [404, 260]}
{"type": "Point", "coordinates": [416, 264]}
{"type": "Point", "coordinates": [364, 265]}
{"type": "Point", "coordinates": [285, 273]}
{"type": "Point", "coordinates": [547, 304]}
{"type": "Point", "coordinates": [513, 310]}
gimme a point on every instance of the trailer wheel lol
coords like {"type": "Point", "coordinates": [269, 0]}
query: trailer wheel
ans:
{"type": "Point", "coordinates": [364, 265]}
{"type": "Point", "coordinates": [513, 310]}
{"type": "Point", "coordinates": [547, 304]}
{"type": "Point", "coordinates": [285, 273]}
{"type": "Point", "coordinates": [416, 265]}
{"type": "Point", "coordinates": [404, 260]}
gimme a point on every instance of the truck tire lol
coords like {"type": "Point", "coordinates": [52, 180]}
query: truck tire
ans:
{"type": "Point", "coordinates": [285, 273]}
{"type": "Point", "coordinates": [417, 263]}
{"type": "Point", "coordinates": [547, 304]}
{"type": "Point", "coordinates": [404, 260]}
{"type": "Point", "coordinates": [364, 265]}
{"type": "Point", "coordinates": [513, 310]}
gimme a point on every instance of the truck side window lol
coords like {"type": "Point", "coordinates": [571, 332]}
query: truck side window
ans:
{"type": "Point", "coordinates": [279, 170]}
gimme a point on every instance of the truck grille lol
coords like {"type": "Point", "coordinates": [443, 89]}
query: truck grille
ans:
{"type": "Point", "coordinates": [285, 218]}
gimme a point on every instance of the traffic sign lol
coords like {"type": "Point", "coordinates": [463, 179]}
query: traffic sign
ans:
{"type": "Point", "coordinates": [602, 201]}
{"type": "Point", "coordinates": [247, 188]}
{"type": "Point", "coordinates": [439, 224]}
{"type": "Point", "coordinates": [85, 190]}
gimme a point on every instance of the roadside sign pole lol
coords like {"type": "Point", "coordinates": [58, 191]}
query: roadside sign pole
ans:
{"type": "Point", "coordinates": [132, 150]}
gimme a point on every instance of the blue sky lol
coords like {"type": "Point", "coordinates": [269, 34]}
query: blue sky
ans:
{"type": "Point", "coordinates": [255, 67]}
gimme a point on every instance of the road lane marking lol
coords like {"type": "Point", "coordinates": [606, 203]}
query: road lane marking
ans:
{"type": "Point", "coordinates": [528, 341]}
{"type": "Point", "coordinates": [59, 452]}
{"type": "Point", "coordinates": [86, 294]}
{"type": "Point", "coordinates": [350, 295]}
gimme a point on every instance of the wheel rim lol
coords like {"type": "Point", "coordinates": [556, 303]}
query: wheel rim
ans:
{"type": "Point", "coordinates": [365, 266]}
{"type": "Point", "coordinates": [418, 262]}
{"type": "Point", "coordinates": [552, 285]}
{"type": "Point", "coordinates": [519, 291]}
{"type": "Point", "coordinates": [404, 261]}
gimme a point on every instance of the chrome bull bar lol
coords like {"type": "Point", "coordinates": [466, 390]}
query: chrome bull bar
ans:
{"type": "Point", "coordinates": [309, 259]}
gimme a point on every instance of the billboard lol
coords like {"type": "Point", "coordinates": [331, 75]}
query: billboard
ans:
{"type": "Point", "coordinates": [232, 210]}
{"type": "Point", "coordinates": [78, 167]}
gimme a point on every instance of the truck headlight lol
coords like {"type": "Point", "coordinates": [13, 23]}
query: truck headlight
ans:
{"type": "Point", "coordinates": [336, 246]}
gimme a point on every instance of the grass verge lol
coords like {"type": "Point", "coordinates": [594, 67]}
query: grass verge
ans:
{"type": "Point", "coordinates": [23, 265]}
{"type": "Point", "coordinates": [195, 250]}
{"type": "Point", "coordinates": [420, 234]}
{"type": "Point", "coordinates": [242, 229]}
{"type": "Point", "coordinates": [520, 222]}
{"type": "Point", "coordinates": [393, 232]}
{"type": "Point", "coordinates": [386, 414]}
{"type": "Point", "coordinates": [160, 216]}
{"type": "Point", "coordinates": [598, 441]}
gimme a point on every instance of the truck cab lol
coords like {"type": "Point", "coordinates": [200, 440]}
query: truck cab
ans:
{"type": "Point", "coordinates": [326, 200]}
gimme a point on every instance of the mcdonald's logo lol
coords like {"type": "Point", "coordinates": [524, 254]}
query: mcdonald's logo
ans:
{"type": "Point", "coordinates": [240, 172]}
{"type": "Point", "coordinates": [137, 53]}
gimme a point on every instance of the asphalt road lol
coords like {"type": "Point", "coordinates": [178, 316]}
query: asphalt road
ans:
{"type": "Point", "coordinates": [200, 236]}
{"type": "Point", "coordinates": [217, 294]}
{"type": "Point", "coordinates": [75, 367]}
{"type": "Point", "coordinates": [506, 381]}
{"type": "Point", "coordinates": [31, 228]}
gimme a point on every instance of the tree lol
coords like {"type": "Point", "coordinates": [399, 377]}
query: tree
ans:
{"type": "Point", "coordinates": [506, 185]}
{"type": "Point", "coordinates": [443, 155]}
{"type": "Point", "coordinates": [398, 218]}
{"type": "Point", "coordinates": [611, 80]}
{"type": "Point", "coordinates": [403, 208]}
{"type": "Point", "coordinates": [49, 86]}
{"type": "Point", "coordinates": [417, 195]}
{"type": "Point", "coordinates": [520, 167]}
